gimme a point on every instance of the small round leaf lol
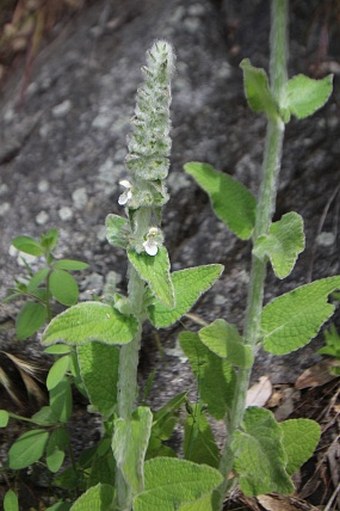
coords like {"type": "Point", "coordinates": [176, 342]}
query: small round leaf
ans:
{"type": "Point", "coordinates": [28, 245]}
{"type": "Point", "coordinates": [70, 265]}
{"type": "Point", "coordinates": [31, 317]}
{"type": "Point", "coordinates": [63, 287]}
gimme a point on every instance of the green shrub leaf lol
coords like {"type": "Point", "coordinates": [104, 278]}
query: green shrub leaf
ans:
{"type": "Point", "coordinates": [291, 320]}
{"type": "Point", "coordinates": [90, 321]}
{"type": "Point", "coordinates": [10, 501]}
{"type": "Point", "coordinates": [27, 449]}
{"type": "Point", "coordinates": [155, 270]}
{"type": "Point", "coordinates": [332, 340]}
{"type": "Point", "coordinates": [4, 418]}
{"type": "Point", "coordinates": [164, 422]}
{"type": "Point", "coordinates": [61, 401]}
{"type": "Point", "coordinates": [37, 279]}
{"type": "Point", "coordinates": [63, 287]}
{"type": "Point", "coordinates": [284, 242]}
{"type": "Point", "coordinates": [103, 466]}
{"type": "Point", "coordinates": [199, 442]}
{"type": "Point", "coordinates": [55, 450]}
{"type": "Point", "coordinates": [223, 339]}
{"type": "Point", "coordinates": [170, 482]}
{"type": "Point", "coordinates": [231, 201]}
{"type": "Point", "coordinates": [55, 460]}
{"type": "Point", "coordinates": [96, 498]}
{"type": "Point", "coordinates": [49, 239]}
{"type": "Point", "coordinates": [213, 373]}
{"type": "Point", "coordinates": [259, 456]}
{"type": "Point", "coordinates": [257, 91]}
{"type": "Point", "coordinates": [98, 364]}
{"type": "Point", "coordinates": [59, 506]}
{"type": "Point", "coordinates": [31, 317]}
{"type": "Point", "coordinates": [70, 265]}
{"type": "Point", "coordinates": [189, 285]}
{"type": "Point", "coordinates": [304, 95]}
{"type": "Point", "coordinates": [28, 245]}
{"type": "Point", "coordinates": [58, 349]}
{"type": "Point", "coordinates": [57, 371]}
{"type": "Point", "coordinates": [300, 439]}
{"type": "Point", "coordinates": [129, 445]}
{"type": "Point", "coordinates": [45, 417]}
{"type": "Point", "coordinates": [117, 230]}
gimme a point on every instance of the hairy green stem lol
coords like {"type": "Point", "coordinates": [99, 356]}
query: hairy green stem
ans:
{"type": "Point", "coordinates": [129, 354]}
{"type": "Point", "coordinates": [265, 208]}
{"type": "Point", "coordinates": [148, 163]}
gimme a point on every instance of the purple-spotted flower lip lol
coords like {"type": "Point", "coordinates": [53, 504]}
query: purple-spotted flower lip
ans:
{"type": "Point", "coordinates": [152, 243]}
{"type": "Point", "coordinates": [127, 194]}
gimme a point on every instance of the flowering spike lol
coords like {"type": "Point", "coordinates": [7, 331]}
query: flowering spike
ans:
{"type": "Point", "coordinates": [150, 143]}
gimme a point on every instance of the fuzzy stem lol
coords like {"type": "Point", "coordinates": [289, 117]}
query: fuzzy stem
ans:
{"type": "Point", "coordinates": [264, 211]}
{"type": "Point", "coordinates": [129, 357]}
{"type": "Point", "coordinates": [148, 162]}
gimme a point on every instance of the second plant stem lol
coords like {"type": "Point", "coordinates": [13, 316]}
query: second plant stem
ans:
{"type": "Point", "coordinates": [264, 212]}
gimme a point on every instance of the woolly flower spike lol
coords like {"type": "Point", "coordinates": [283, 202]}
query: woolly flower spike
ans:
{"type": "Point", "coordinates": [153, 241]}
{"type": "Point", "coordinates": [127, 194]}
{"type": "Point", "coordinates": [150, 143]}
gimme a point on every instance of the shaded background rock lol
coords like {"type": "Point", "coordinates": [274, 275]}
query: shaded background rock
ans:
{"type": "Point", "coordinates": [62, 152]}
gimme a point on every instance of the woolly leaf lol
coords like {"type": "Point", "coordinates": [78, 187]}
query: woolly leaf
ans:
{"type": "Point", "coordinates": [189, 285]}
{"type": "Point", "coordinates": [27, 449]}
{"type": "Point", "coordinates": [203, 504]}
{"type": "Point", "coordinates": [259, 458]}
{"type": "Point", "coordinates": [155, 270]}
{"type": "Point", "coordinates": [257, 91]}
{"type": "Point", "coordinates": [291, 320]}
{"type": "Point", "coordinates": [90, 321]}
{"type": "Point", "coordinates": [117, 230]}
{"type": "Point", "coordinates": [96, 498]}
{"type": "Point", "coordinates": [170, 482]}
{"type": "Point", "coordinates": [304, 95]}
{"type": "Point", "coordinates": [129, 445]}
{"type": "Point", "coordinates": [223, 339]}
{"type": "Point", "coordinates": [300, 439]}
{"type": "Point", "coordinates": [98, 364]}
{"type": "Point", "coordinates": [231, 201]}
{"type": "Point", "coordinates": [284, 242]}
{"type": "Point", "coordinates": [213, 373]}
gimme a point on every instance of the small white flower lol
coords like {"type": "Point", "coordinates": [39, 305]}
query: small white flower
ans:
{"type": "Point", "coordinates": [153, 241]}
{"type": "Point", "coordinates": [127, 194]}
{"type": "Point", "coordinates": [151, 247]}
